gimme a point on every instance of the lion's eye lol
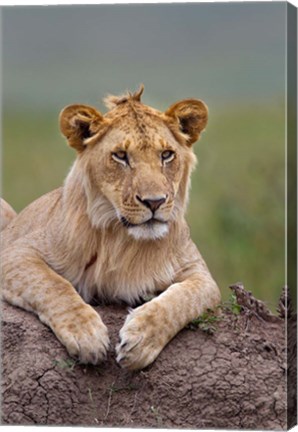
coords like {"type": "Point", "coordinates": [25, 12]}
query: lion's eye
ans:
{"type": "Point", "coordinates": [120, 156]}
{"type": "Point", "coordinates": [167, 155]}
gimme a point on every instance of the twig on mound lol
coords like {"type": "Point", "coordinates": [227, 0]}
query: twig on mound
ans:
{"type": "Point", "coordinates": [284, 307]}
{"type": "Point", "coordinates": [250, 305]}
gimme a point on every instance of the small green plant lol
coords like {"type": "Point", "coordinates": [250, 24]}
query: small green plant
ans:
{"type": "Point", "coordinates": [65, 363]}
{"type": "Point", "coordinates": [206, 322]}
{"type": "Point", "coordinates": [232, 305]}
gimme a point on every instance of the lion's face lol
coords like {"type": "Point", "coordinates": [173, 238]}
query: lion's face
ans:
{"type": "Point", "coordinates": [136, 163]}
{"type": "Point", "coordinates": [140, 178]}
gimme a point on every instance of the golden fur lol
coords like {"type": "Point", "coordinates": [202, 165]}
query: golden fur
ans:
{"type": "Point", "coordinates": [7, 213]}
{"type": "Point", "coordinates": [115, 231]}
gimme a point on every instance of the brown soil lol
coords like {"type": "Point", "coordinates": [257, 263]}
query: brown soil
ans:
{"type": "Point", "coordinates": [233, 378]}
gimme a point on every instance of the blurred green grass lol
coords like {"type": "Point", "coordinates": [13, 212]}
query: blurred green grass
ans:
{"type": "Point", "coordinates": [236, 209]}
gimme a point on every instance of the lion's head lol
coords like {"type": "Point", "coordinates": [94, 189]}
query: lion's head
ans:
{"type": "Point", "coordinates": [136, 161]}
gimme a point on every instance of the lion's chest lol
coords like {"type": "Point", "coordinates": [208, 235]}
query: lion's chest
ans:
{"type": "Point", "coordinates": [126, 274]}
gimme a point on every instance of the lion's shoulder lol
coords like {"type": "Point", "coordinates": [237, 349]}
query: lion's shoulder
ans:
{"type": "Point", "coordinates": [34, 216]}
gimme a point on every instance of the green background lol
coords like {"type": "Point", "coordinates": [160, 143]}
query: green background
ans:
{"type": "Point", "coordinates": [232, 56]}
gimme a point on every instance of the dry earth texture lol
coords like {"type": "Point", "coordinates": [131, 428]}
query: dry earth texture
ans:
{"type": "Point", "coordinates": [222, 371]}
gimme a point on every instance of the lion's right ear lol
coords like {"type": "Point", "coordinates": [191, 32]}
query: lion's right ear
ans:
{"type": "Point", "coordinates": [80, 123]}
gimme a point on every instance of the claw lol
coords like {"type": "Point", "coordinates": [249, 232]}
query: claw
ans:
{"type": "Point", "coordinates": [129, 348]}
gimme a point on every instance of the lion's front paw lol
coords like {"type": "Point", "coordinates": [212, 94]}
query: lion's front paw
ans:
{"type": "Point", "coordinates": [84, 335]}
{"type": "Point", "coordinates": [141, 339]}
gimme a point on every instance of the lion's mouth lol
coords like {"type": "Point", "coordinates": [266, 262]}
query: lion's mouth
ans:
{"type": "Point", "coordinates": [150, 222]}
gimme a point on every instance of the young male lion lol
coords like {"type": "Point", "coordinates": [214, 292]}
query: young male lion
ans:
{"type": "Point", "coordinates": [115, 230]}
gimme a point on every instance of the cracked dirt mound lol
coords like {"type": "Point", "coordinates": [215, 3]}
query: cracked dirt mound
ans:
{"type": "Point", "coordinates": [233, 378]}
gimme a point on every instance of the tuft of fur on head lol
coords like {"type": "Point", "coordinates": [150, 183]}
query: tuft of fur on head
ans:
{"type": "Point", "coordinates": [112, 101]}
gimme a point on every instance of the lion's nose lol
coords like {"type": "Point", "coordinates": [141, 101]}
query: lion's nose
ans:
{"type": "Point", "coordinates": [152, 203]}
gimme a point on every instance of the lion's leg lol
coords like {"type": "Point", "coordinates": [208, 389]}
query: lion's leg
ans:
{"type": "Point", "coordinates": [28, 282]}
{"type": "Point", "coordinates": [151, 326]}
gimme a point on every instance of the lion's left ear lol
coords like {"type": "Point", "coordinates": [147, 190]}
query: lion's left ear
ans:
{"type": "Point", "coordinates": [79, 123]}
{"type": "Point", "coordinates": [191, 116]}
